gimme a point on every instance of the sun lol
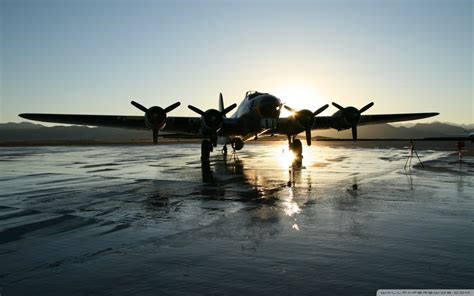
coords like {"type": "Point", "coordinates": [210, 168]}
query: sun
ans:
{"type": "Point", "coordinates": [299, 97]}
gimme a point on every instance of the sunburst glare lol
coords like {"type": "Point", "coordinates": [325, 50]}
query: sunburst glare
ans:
{"type": "Point", "coordinates": [285, 156]}
{"type": "Point", "coordinates": [299, 97]}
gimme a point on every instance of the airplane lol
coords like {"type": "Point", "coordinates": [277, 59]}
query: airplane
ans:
{"type": "Point", "coordinates": [466, 136]}
{"type": "Point", "coordinates": [257, 116]}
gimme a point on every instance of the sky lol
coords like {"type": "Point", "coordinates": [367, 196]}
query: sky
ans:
{"type": "Point", "coordinates": [94, 56]}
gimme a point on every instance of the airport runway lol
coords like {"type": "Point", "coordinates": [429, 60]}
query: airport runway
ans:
{"type": "Point", "coordinates": [128, 220]}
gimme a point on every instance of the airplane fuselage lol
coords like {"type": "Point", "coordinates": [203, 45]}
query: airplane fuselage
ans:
{"type": "Point", "coordinates": [257, 113]}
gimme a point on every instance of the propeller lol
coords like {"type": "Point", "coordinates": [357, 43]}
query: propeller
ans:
{"type": "Point", "coordinates": [305, 118]}
{"type": "Point", "coordinates": [155, 117]}
{"type": "Point", "coordinates": [352, 116]}
{"type": "Point", "coordinates": [212, 118]}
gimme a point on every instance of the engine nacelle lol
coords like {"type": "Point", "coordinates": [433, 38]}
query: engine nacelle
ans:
{"type": "Point", "coordinates": [155, 118]}
{"type": "Point", "coordinates": [211, 121]}
{"type": "Point", "coordinates": [299, 122]}
{"type": "Point", "coordinates": [345, 119]}
{"type": "Point", "coordinates": [348, 117]}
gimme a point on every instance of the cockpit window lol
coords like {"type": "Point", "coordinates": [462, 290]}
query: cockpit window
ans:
{"type": "Point", "coordinates": [251, 94]}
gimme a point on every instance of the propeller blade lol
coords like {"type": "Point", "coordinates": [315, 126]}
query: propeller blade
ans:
{"type": "Point", "coordinates": [221, 102]}
{"type": "Point", "coordinates": [366, 107]}
{"type": "Point", "coordinates": [354, 132]}
{"type": "Point", "coordinates": [228, 109]}
{"type": "Point", "coordinates": [172, 107]}
{"type": "Point", "coordinates": [308, 137]}
{"type": "Point", "coordinates": [155, 136]}
{"type": "Point", "coordinates": [289, 108]}
{"type": "Point", "coordinates": [337, 106]}
{"type": "Point", "coordinates": [198, 111]}
{"type": "Point", "coordinates": [320, 110]}
{"type": "Point", "coordinates": [138, 106]}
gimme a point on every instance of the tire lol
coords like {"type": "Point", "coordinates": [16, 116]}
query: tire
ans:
{"type": "Point", "coordinates": [297, 148]}
{"type": "Point", "coordinates": [205, 149]}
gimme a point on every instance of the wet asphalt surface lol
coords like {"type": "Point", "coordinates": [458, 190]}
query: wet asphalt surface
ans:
{"type": "Point", "coordinates": [129, 220]}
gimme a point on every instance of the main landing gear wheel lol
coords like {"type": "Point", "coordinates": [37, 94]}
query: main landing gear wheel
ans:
{"type": "Point", "coordinates": [206, 149]}
{"type": "Point", "coordinates": [297, 148]}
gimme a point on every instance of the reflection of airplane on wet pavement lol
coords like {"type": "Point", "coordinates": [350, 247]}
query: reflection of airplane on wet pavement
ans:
{"type": "Point", "coordinates": [258, 115]}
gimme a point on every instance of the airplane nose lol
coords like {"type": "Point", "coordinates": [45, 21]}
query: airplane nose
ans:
{"type": "Point", "coordinates": [269, 107]}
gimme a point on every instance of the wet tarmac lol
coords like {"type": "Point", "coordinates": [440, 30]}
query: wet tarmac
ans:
{"type": "Point", "coordinates": [128, 220]}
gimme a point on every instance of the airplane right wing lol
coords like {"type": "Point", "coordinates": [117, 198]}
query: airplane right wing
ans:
{"type": "Point", "coordinates": [174, 124]}
{"type": "Point", "coordinates": [120, 121]}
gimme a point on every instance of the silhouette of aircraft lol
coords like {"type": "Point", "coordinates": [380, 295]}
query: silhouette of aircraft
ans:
{"type": "Point", "coordinates": [257, 116]}
{"type": "Point", "coordinates": [466, 136]}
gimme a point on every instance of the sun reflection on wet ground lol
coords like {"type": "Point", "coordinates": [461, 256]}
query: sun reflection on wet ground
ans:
{"type": "Point", "coordinates": [289, 206]}
{"type": "Point", "coordinates": [156, 220]}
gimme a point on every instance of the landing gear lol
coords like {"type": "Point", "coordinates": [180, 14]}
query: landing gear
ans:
{"type": "Point", "coordinates": [296, 147]}
{"type": "Point", "coordinates": [213, 140]}
{"type": "Point", "coordinates": [206, 148]}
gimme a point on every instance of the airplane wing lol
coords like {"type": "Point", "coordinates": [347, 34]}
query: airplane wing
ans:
{"type": "Point", "coordinates": [184, 125]}
{"type": "Point", "coordinates": [326, 122]}
{"type": "Point", "coordinates": [122, 121]}
{"type": "Point", "coordinates": [387, 118]}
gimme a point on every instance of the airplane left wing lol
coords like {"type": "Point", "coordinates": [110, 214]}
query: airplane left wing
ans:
{"type": "Point", "coordinates": [387, 118]}
{"type": "Point", "coordinates": [289, 125]}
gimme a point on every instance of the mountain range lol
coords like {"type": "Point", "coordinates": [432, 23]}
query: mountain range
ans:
{"type": "Point", "coordinates": [29, 132]}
